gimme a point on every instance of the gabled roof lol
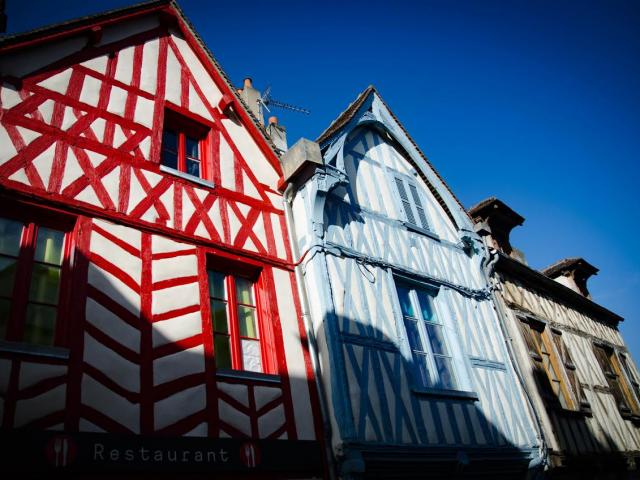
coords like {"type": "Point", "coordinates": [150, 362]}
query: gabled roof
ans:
{"type": "Point", "coordinates": [87, 24]}
{"type": "Point", "coordinates": [348, 114]}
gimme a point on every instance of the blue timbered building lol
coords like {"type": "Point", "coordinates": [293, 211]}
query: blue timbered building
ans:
{"type": "Point", "coordinates": [415, 371]}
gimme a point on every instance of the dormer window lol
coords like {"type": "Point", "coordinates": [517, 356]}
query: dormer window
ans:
{"type": "Point", "coordinates": [184, 145]}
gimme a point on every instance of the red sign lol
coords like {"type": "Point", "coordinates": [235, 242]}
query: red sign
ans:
{"type": "Point", "coordinates": [250, 454]}
{"type": "Point", "coordinates": [60, 450]}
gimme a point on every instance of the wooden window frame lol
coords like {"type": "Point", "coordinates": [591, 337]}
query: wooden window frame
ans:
{"type": "Point", "coordinates": [232, 270]}
{"type": "Point", "coordinates": [566, 399]}
{"type": "Point", "coordinates": [408, 193]}
{"type": "Point", "coordinates": [32, 219]}
{"type": "Point", "coordinates": [628, 405]}
{"type": "Point", "coordinates": [185, 124]}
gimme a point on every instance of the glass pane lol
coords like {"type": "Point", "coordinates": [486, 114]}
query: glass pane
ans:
{"type": "Point", "coordinates": [216, 285]}
{"type": "Point", "coordinates": [5, 311]}
{"type": "Point", "coordinates": [45, 283]}
{"type": "Point", "coordinates": [169, 159]}
{"type": "Point", "coordinates": [222, 351]}
{"type": "Point", "coordinates": [10, 233]}
{"type": "Point", "coordinates": [422, 370]}
{"type": "Point", "coordinates": [405, 302]}
{"type": "Point", "coordinates": [445, 372]}
{"type": "Point", "coordinates": [193, 148]}
{"type": "Point", "coordinates": [49, 246]}
{"type": "Point", "coordinates": [425, 306]}
{"type": "Point", "coordinates": [193, 167]}
{"type": "Point", "coordinates": [7, 275]}
{"type": "Point", "coordinates": [169, 140]}
{"type": "Point", "coordinates": [40, 324]}
{"type": "Point", "coordinates": [413, 335]}
{"type": "Point", "coordinates": [244, 291]}
{"type": "Point", "coordinates": [251, 356]}
{"type": "Point", "coordinates": [246, 318]}
{"type": "Point", "coordinates": [436, 339]}
{"type": "Point", "coordinates": [219, 316]}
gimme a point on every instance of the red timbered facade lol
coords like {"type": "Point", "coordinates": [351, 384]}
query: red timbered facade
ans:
{"type": "Point", "coordinates": [148, 303]}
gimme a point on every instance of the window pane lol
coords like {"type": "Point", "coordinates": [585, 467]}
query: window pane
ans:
{"type": "Point", "coordinates": [425, 305]}
{"type": "Point", "coordinates": [216, 285]}
{"type": "Point", "coordinates": [413, 334]}
{"type": "Point", "coordinates": [49, 246]}
{"type": "Point", "coordinates": [445, 372]}
{"type": "Point", "coordinates": [251, 356]}
{"type": "Point", "coordinates": [39, 326]}
{"type": "Point", "coordinates": [169, 159]}
{"type": "Point", "coordinates": [405, 302]}
{"type": "Point", "coordinates": [244, 291]}
{"type": "Point", "coordinates": [219, 316]}
{"type": "Point", "coordinates": [169, 141]}
{"type": "Point", "coordinates": [10, 233]}
{"type": "Point", "coordinates": [7, 275]}
{"type": "Point", "coordinates": [193, 167]}
{"type": "Point", "coordinates": [5, 311]}
{"type": "Point", "coordinates": [436, 339]}
{"type": "Point", "coordinates": [193, 148]}
{"type": "Point", "coordinates": [246, 318]}
{"type": "Point", "coordinates": [422, 369]}
{"type": "Point", "coordinates": [45, 283]}
{"type": "Point", "coordinates": [222, 351]}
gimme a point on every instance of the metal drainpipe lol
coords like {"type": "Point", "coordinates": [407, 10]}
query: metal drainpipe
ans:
{"type": "Point", "coordinates": [487, 269]}
{"type": "Point", "coordinates": [313, 350]}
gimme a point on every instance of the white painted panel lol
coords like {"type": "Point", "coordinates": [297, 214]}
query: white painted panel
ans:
{"type": "Point", "coordinates": [177, 328]}
{"type": "Point", "coordinates": [58, 82]}
{"type": "Point", "coordinates": [86, 426]}
{"type": "Point", "coordinates": [132, 265]}
{"type": "Point", "coordinates": [125, 234]}
{"type": "Point", "coordinates": [227, 175]}
{"type": "Point", "coordinates": [178, 406]}
{"type": "Point", "coordinates": [271, 421]}
{"type": "Point", "coordinates": [149, 73]}
{"type": "Point", "coordinates": [7, 150]}
{"type": "Point", "coordinates": [119, 409]}
{"type": "Point", "coordinates": [173, 85]}
{"type": "Point", "coordinates": [31, 373]}
{"type": "Point", "coordinates": [173, 298]}
{"type": "Point", "coordinates": [144, 112]}
{"type": "Point", "coordinates": [117, 368]}
{"type": "Point", "coordinates": [124, 66]}
{"type": "Point", "coordinates": [9, 96]}
{"type": "Point", "coordinates": [112, 325]}
{"type": "Point", "coordinates": [177, 365]}
{"type": "Point", "coordinates": [237, 391]}
{"type": "Point", "coordinates": [174, 267]}
{"type": "Point", "coordinates": [201, 430]}
{"type": "Point", "coordinates": [264, 395]}
{"type": "Point", "coordinates": [114, 288]}
{"type": "Point", "coordinates": [295, 359]}
{"type": "Point", "coordinates": [37, 407]}
{"type": "Point", "coordinates": [233, 417]}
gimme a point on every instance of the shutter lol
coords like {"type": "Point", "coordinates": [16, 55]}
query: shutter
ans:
{"type": "Point", "coordinates": [406, 204]}
{"type": "Point", "coordinates": [418, 204]}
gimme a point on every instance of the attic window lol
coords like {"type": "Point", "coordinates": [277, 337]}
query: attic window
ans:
{"type": "Point", "coordinates": [411, 202]}
{"type": "Point", "coordinates": [185, 145]}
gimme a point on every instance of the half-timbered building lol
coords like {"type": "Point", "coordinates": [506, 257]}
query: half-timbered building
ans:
{"type": "Point", "coordinates": [583, 382]}
{"type": "Point", "coordinates": [149, 314]}
{"type": "Point", "coordinates": [415, 370]}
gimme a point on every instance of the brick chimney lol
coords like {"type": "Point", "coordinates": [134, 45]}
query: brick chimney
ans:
{"type": "Point", "coordinates": [572, 273]}
{"type": "Point", "coordinates": [278, 134]}
{"type": "Point", "coordinates": [495, 220]}
{"type": "Point", "coordinates": [251, 98]}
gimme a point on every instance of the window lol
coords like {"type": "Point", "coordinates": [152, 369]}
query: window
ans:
{"type": "Point", "coordinates": [34, 265]}
{"type": "Point", "coordinates": [411, 202]}
{"type": "Point", "coordinates": [236, 334]}
{"type": "Point", "coordinates": [427, 339]}
{"type": "Point", "coordinates": [184, 145]}
{"type": "Point", "coordinates": [554, 369]}
{"type": "Point", "coordinates": [619, 388]}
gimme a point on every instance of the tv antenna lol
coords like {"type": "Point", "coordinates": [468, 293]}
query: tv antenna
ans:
{"type": "Point", "coordinates": [265, 100]}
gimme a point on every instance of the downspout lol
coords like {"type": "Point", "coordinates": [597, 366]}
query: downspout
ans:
{"type": "Point", "coordinates": [488, 269]}
{"type": "Point", "coordinates": [313, 350]}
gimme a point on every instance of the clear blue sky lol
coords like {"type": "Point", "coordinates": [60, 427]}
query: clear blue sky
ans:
{"type": "Point", "coordinates": [536, 102]}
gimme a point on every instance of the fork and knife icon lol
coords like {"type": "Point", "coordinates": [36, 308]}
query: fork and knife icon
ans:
{"type": "Point", "coordinates": [61, 452]}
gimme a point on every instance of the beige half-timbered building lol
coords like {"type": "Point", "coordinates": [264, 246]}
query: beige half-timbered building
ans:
{"type": "Point", "coordinates": [580, 377]}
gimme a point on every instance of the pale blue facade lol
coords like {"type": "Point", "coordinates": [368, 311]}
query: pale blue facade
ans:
{"type": "Point", "coordinates": [415, 370]}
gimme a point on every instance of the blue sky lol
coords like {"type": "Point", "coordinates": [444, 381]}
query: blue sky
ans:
{"type": "Point", "coordinates": [536, 102]}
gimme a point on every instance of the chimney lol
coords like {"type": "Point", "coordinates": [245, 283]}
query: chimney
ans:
{"type": "Point", "coordinates": [495, 220]}
{"type": "Point", "coordinates": [300, 161]}
{"type": "Point", "coordinates": [278, 134]}
{"type": "Point", "coordinates": [251, 98]}
{"type": "Point", "coordinates": [572, 273]}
